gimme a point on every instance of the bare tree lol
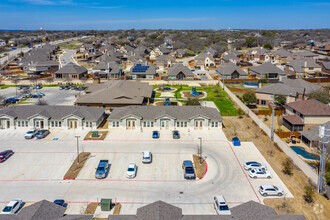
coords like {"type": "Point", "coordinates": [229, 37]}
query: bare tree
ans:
{"type": "Point", "coordinates": [49, 80]}
{"type": "Point", "coordinates": [41, 102]}
{"type": "Point", "coordinates": [15, 81]}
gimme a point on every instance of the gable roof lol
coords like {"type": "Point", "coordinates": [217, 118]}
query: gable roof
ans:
{"type": "Point", "coordinates": [297, 65]}
{"type": "Point", "coordinates": [159, 210]}
{"type": "Point", "coordinates": [313, 134]}
{"type": "Point", "coordinates": [305, 53]}
{"type": "Point", "coordinates": [203, 56]}
{"type": "Point", "coordinates": [252, 210]}
{"type": "Point", "coordinates": [177, 68]}
{"type": "Point", "coordinates": [266, 68]}
{"type": "Point", "coordinates": [42, 210]}
{"type": "Point", "coordinates": [72, 68]}
{"type": "Point", "coordinates": [113, 67]}
{"type": "Point", "coordinates": [153, 112]}
{"type": "Point", "coordinates": [229, 68]}
{"type": "Point", "coordinates": [230, 56]}
{"type": "Point", "coordinates": [260, 51]}
{"type": "Point", "coordinates": [235, 52]}
{"type": "Point", "coordinates": [282, 53]}
{"type": "Point", "coordinates": [326, 65]}
{"type": "Point", "coordinates": [310, 107]}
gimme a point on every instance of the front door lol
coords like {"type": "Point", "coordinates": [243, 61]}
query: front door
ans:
{"type": "Point", "coordinates": [164, 124]}
{"type": "Point", "coordinates": [130, 124]}
{"type": "Point", "coordinates": [41, 124]}
{"type": "Point", "coordinates": [73, 124]}
{"type": "Point", "coordinates": [198, 124]}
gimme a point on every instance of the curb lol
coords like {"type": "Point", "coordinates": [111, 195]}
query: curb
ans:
{"type": "Point", "coordinates": [69, 178]}
{"type": "Point", "coordinates": [205, 171]}
{"type": "Point", "coordinates": [93, 140]}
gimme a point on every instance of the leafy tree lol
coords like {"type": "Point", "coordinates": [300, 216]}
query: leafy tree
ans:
{"type": "Point", "coordinates": [192, 101]}
{"type": "Point", "coordinates": [280, 100]}
{"type": "Point", "coordinates": [268, 46]}
{"type": "Point", "coordinates": [320, 95]}
{"type": "Point", "coordinates": [251, 42]}
{"type": "Point", "coordinates": [249, 98]}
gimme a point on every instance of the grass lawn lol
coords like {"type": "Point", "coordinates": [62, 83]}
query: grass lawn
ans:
{"type": "Point", "coordinates": [71, 45]}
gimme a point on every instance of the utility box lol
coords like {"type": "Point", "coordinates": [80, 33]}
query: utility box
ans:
{"type": "Point", "coordinates": [106, 204]}
{"type": "Point", "coordinates": [95, 134]}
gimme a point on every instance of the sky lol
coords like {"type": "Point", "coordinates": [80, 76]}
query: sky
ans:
{"type": "Point", "coordinates": [163, 14]}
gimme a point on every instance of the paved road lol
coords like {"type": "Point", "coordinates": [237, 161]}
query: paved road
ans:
{"type": "Point", "coordinates": [47, 160]}
{"type": "Point", "coordinates": [67, 57]}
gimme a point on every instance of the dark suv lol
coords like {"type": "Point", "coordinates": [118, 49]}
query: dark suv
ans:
{"type": "Point", "coordinates": [189, 171]}
{"type": "Point", "coordinates": [4, 155]}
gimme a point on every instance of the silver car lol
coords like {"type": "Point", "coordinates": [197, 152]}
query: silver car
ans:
{"type": "Point", "coordinates": [12, 207]}
{"type": "Point", "coordinates": [221, 206]}
{"type": "Point", "coordinates": [131, 170]}
{"type": "Point", "coordinates": [270, 190]}
{"type": "Point", "coordinates": [146, 156]}
{"type": "Point", "coordinates": [254, 165]}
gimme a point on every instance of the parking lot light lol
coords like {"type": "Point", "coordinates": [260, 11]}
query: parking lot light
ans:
{"type": "Point", "coordinates": [77, 136]}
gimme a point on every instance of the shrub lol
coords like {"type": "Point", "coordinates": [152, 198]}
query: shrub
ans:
{"type": "Point", "coordinates": [309, 194]}
{"type": "Point", "coordinates": [287, 167]}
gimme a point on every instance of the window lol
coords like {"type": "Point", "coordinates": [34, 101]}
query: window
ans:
{"type": "Point", "coordinates": [216, 124]}
{"type": "Point", "coordinates": [115, 124]}
{"type": "Point", "coordinates": [144, 124]}
{"type": "Point", "coordinates": [89, 124]}
{"type": "Point", "coordinates": [263, 102]}
{"type": "Point", "coordinates": [19, 123]}
{"type": "Point", "coordinates": [53, 124]}
{"type": "Point", "coordinates": [60, 124]}
{"type": "Point", "coordinates": [26, 124]}
{"type": "Point", "coordinates": [151, 124]}
{"type": "Point", "coordinates": [181, 124]}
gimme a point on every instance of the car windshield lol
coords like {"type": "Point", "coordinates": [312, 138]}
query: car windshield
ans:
{"type": "Point", "coordinates": [130, 169]}
{"type": "Point", "coordinates": [100, 168]}
{"type": "Point", "coordinates": [189, 170]}
{"type": "Point", "coordinates": [30, 132]}
{"type": "Point", "coordinates": [7, 209]}
{"type": "Point", "coordinates": [275, 188]}
{"type": "Point", "coordinates": [176, 133]}
{"type": "Point", "coordinates": [250, 163]}
{"type": "Point", "coordinates": [146, 157]}
{"type": "Point", "coordinates": [223, 207]}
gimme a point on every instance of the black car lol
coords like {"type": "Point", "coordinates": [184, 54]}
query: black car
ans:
{"type": "Point", "coordinates": [5, 155]}
{"type": "Point", "coordinates": [42, 134]}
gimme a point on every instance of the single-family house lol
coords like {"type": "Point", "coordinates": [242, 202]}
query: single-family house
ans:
{"type": "Point", "coordinates": [108, 70]}
{"type": "Point", "coordinates": [267, 71]}
{"type": "Point", "coordinates": [303, 68]}
{"type": "Point", "coordinates": [292, 89]}
{"type": "Point", "coordinates": [325, 68]}
{"type": "Point", "coordinates": [230, 57]}
{"type": "Point", "coordinates": [258, 54]}
{"type": "Point", "coordinates": [305, 54]}
{"type": "Point", "coordinates": [50, 117]}
{"type": "Point", "coordinates": [231, 71]}
{"type": "Point", "coordinates": [164, 62]}
{"type": "Point", "coordinates": [282, 56]}
{"type": "Point", "coordinates": [180, 53]}
{"type": "Point", "coordinates": [71, 71]}
{"type": "Point", "coordinates": [311, 138]}
{"type": "Point", "coordinates": [132, 60]}
{"type": "Point", "coordinates": [204, 60]}
{"type": "Point", "coordinates": [2, 43]}
{"type": "Point", "coordinates": [49, 66]}
{"type": "Point", "coordinates": [233, 51]}
{"type": "Point", "coordinates": [180, 72]}
{"type": "Point", "coordinates": [305, 114]}
{"type": "Point", "coordinates": [165, 118]}
{"type": "Point", "coordinates": [143, 71]}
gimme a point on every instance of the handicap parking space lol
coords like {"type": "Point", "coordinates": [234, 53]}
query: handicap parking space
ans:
{"type": "Point", "coordinates": [248, 152]}
{"type": "Point", "coordinates": [167, 167]}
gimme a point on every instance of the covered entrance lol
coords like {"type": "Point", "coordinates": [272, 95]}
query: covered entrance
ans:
{"type": "Point", "coordinates": [130, 124]}
{"type": "Point", "coordinates": [73, 124]}
{"type": "Point", "coordinates": [199, 124]}
{"type": "Point", "coordinates": [39, 123]}
{"type": "Point", "coordinates": [164, 124]}
{"type": "Point", "coordinates": [181, 76]}
{"type": "Point", "coordinates": [4, 124]}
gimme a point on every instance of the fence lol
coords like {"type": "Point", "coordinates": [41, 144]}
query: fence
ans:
{"type": "Point", "coordinates": [318, 80]}
{"type": "Point", "coordinates": [309, 172]}
{"type": "Point", "coordinates": [268, 112]}
{"type": "Point", "coordinates": [287, 134]}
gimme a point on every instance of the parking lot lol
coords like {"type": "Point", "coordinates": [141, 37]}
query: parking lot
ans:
{"type": "Point", "coordinates": [53, 96]}
{"type": "Point", "coordinates": [40, 166]}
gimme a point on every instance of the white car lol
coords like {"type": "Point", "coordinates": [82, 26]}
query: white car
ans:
{"type": "Point", "coordinates": [12, 207]}
{"type": "Point", "coordinates": [270, 190]}
{"type": "Point", "coordinates": [146, 156]}
{"type": "Point", "coordinates": [30, 134]}
{"type": "Point", "coordinates": [254, 165]}
{"type": "Point", "coordinates": [259, 173]}
{"type": "Point", "coordinates": [131, 170]}
{"type": "Point", "coordinates": [220, 206]}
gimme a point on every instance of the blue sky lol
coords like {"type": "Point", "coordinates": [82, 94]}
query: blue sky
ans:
{"type": "Point", "coordinates": [166, 14]}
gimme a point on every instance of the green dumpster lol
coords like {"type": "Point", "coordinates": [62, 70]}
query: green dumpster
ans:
{"type": "Point", "coordinates": [106, 204]}
{"type": "Point", "coordinates": [95, 134]}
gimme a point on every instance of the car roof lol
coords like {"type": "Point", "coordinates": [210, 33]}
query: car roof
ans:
{"type": "Point", "coordinates": [266, 186]}
{"type": "Point", "coordinates": [146, 153]}
{"type": "Point", "coordinates": [251, 162]}
{"type": "Point", "coordinates": [187, 162]}
{"type": "Point", "coordinates": [220, 198]}
{"type": "Point", "coordinates": [12, 203]}
{"type": "Point", "coordinates": [131, 165]}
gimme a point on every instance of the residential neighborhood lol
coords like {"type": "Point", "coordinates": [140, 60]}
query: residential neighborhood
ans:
{"type": "Point", "coordinates": [135, 122]}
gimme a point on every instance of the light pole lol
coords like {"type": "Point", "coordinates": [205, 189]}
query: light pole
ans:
{"type": "Point", "coordinates": [322, 135]}
{"type": "Point", "coordinates": [200, 150]}
{"type": "Point", "coordinates": [272, 123]}
{"type": "Point", "coordinates": [77, 136]}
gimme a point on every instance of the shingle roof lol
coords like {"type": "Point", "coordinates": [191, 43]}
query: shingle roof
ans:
{"type": "Point", "coordinates": [117, 92]}
{"type": "Point", "coordinates": [52, 112]}
{"type": "Point", "coordinates": [235, 52]}
{"type": "Point", "coordinates": [178, 112]}
{"type": "Point", "coordinates": [179, 67]}
{"type": "Point", "coordinates": [305, 53]}
{"type": "Point", "coordinates": [230, 56]}
{"type": "Point", "coordinates": [45, 63]}
{"type": "Point", "coordinates": [113, 67]}
{"type": "Point", "coordinates": [42, 210]}
{"type": "Point", "coordinates": [294, 119]}
{"type": "Point", "coordinates": [106, 58]}
{"type": "Point", "coordinates": [297, 65]}
{"type": "Point", "coordinates": [229, 68]}
{"type": "Point", "coordinates": [267, 67]}
{"type": "Point", "coordinates": [282, 53]}
{"type": "Point", "coordinates": [149, 71]}
{"type": "Point", "coordinates": [159, 211]}
{"type": "Point", "coordinates": [260, 51]}
{"type": "Point", "coordinates": [326, 65]}
{"type": "Point", "coordinates": [252, 210]}
{"type": "Point", "coordinates": [313, 134]}
{"type": "Point", "coordinates": [72, 68]}
{"type": "Point", "coordinates": [310, 107]}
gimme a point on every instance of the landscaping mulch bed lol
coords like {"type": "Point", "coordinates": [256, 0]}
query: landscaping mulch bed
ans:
{"type": "Point", "coordinates": [186, 95]}
{"type": "Point", "coordinates": [102, 134]}
{"type": "Point", "coordinates": [117, 209]}
{"type": "Point", "coordinates": [162, 103]}
{"type": "Point", "coordinates": [75, 168]}
{"type": "Point", "coordinates": [91, 208]}
{"type": "Point", "coordinates": [200, 166]}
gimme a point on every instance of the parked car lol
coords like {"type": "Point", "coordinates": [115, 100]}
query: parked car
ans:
{"type": "Point", "coordinates": [11, 100]}
{"type": "Point", "coordinates": [4, 155]}
{"type": "Point", "coordinates": [254, 165]}
{"type": "Point", "coordinates": [59, 202]}
{"type": "Point", "coordinates": [176, 135]}
{"type": "Point", "coordinates": [38, 87]}
{"type": "Point", "coordinates": [220, 205]}
{"type": "Point", "coordinates": [131, 170]}
{"type": "Point", "coordinates": [66, 87]}
{"type": "Point", "coordinates": [42, 134]}
{"type": "Point", "coordinates": [61, 87]}
{"type": "Point", "coordinates": [146, 156]}
{"type": "Point", "coordinates": [30, 134]}
{"type": "Point", "coordinates": [102, 169]}
{"type": "Point", "coordinates": [73, 87]}
{"type": "Point", "coordinates": [270, 190]}
{"type": "Point", "coordinates": [259, 173]}
{"type": "Point", "coordinates": [36, 95]}
{"type": "Point", "coordinates": [189, 171]}
{"type": "Point", "coordinates": [12, 207]}
{"type": "Point", "coordinates": [155, 134]}
{"type": "Point", "coordinates": [81, 88]}
{"type": "Point", "coordinates": [26, 95]}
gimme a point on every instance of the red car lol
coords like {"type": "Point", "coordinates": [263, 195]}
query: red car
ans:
{"type": "Point", "coordinates": [5, 155]}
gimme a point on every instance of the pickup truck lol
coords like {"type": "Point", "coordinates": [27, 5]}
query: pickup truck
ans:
{"type": "Point", "coordinates": [189, 171]}
{"type": "Point", "coordinates": [102, 169]}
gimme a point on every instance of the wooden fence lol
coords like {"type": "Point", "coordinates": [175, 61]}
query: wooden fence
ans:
{"type": "Point", "coordinates": [318, 80]}
{"type": "Point", "coordinates": [287, 134]}
{"type": "Point", "coordinates": [268, 112]}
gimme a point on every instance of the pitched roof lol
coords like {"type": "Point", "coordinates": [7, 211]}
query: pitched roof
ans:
{"type": "Point", "coordinates": [267, 67]}
{"type": "Point", "coordinates": [310, 107]}
{"type": "Point", "coordinates": [143, 68]}
{"type": "Point", "coordinates": [282, 53]}
{"type": "Point", "coordinates": [46, 63]}
{"type": "Point", "coordinates": [305, 53]}
{"type": "Point", "coordinates": [297, 65]}
{"type": "Point", "coordinates": [230, 56]}
{"type": "Point", "coordinates": [229, 68]}
{"type": "Point", "coordinates": [294, 119]}
{"type": "Point", "coordinates": [42, 210]}
{"type": "Point", "coordinates": [326, 65]}
{"type": "Point", "coordinates": [117, 92]}
{"type": "Point", "coordinates": [72, 68]}
{"type": "Point", "coordinates": [252, 210]}
{"type": "Point", "coordinates": [159, 210]}
{"type": "Point", "coordinates": [113, 67]}
{"type": "Point", "coordinates": [106, 58]}
{"type": "Point", "coordinates": [179, 67]}
{"type": "Point", "coordinates": [313, 134]}
{"type": "Point", "coordinates": [178, 112]}
{"type": "Point", "coordinates": [164, 58]}
{"type": "Point", "coordinates": [52, 112]}
{"type": "Point", "coordinates": [235, 52]}
{"type": "Point", "coordinates": [203, 56]}
{"type": "Point", "coordinates": [260, 51]}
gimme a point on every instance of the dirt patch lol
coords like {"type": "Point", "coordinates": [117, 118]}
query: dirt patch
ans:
{"type": "Point", "coordinates": [102, 135]}
{"type": "Point", "coordinates": [200, 166]}
{"type": "Point", "coordinates": [187, 94]}
{"type": "Point", "coordinates": [246, 130]}
{"type": "Point", "coordinates": [75, 168]}
{"type": "Point", "coordinates": [117, 209]}
{"type": "Point", "coordinates": [163, 103]}
{"type": "Point", "coordinates": [91, 208]}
